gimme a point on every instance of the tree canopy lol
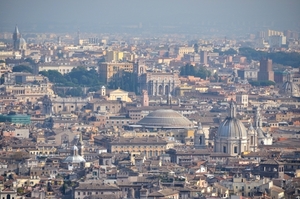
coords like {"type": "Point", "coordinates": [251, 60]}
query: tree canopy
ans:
{"type": "Point", "coordinates": [262, 83]}
{"type": "Point", "coordinates": [126, 81]}
{"type": "Point", "coordinates": [78, 77]}
{"type": "Point", "coordinates": [201, 71]}
{"type": "Point", "coordinates": [22, 68]}
{"type": "Point", "coordinates": [230, 51]}
{"type": "Point", "coordinates": [283, 58]}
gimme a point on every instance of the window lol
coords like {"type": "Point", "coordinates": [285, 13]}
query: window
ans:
{"type": "Point", "coordinates": [78, 193]}
{"type": "Point", "coordinates": [235, 149]}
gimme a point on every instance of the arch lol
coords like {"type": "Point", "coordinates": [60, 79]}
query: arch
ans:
{"type": "Point", "coordinates": [106, 162]}
{"type": "Point", "coordinates": [224, 149]}
{"type": "Point", "coordinates": [160, 90]}
{"type": "Point", "coordinates": [200, 140]}
{"type": "Point", "coordinates": [150, 153]}
{"type": "Point", "coordinates": [167, 89]}
{"type": "Point", "coordinates": [235, 149]}
{"type": "Point", "coordinates": [141, 70]}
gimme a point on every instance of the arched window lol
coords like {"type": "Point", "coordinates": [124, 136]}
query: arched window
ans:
{"type": "Point", "coordinates": [224, 149]}
{"type": "Point", "coordinates": [167, 90]}
{"type": "Point", "coordinates": [235, 149]}
{"type": "Point", "coordinates": [160, 90]}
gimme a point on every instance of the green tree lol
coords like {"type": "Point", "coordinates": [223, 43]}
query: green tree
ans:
{"type": "Point", "coordinates": [22, 68]}
{"type": "Point", "coordinates": [20, 190]}
{"type": "Point", "coordinates": [187, 70]}
{"type": "Point", "coordinates": [54, 76]}
{"type": "Point", "coordinates": [216, 77]}
{"type": "Point", "coordinates": [203, 73]}
{"type": "Point", "coordinates": [267, 83]}
{"type": "Point", "coordinates": [30, 61]}
{"type": "Point", "coordinates": [75, 92]}
{"type": "Point", "coordinates": [283, 58]}
{"type": "Point", "coordinates": [262, 83]}
{"type": "Point", "coordinates": [124, 80]}
{"type": "Point", "coordinates": [196, 48]}
{"type": "Point", "coordinates": [230, 51]}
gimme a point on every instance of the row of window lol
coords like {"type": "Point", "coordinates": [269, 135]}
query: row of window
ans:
{"type": "Point", "coordinates": [117, 122]}
{"type": "Point", "coordinates": [139, 147]}
{"type": "Point", "coordinates": [90, 193]}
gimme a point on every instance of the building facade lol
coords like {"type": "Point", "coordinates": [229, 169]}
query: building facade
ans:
{"type": "Point", "coordinates": [159, 84]}
{"type": "Point", "coordinates": [266, 70]}
{"type": "Point", "coordinates": [107, 71]}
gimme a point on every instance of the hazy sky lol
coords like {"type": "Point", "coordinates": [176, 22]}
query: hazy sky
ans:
{"type": "Point", "coordinates": [89, 13]}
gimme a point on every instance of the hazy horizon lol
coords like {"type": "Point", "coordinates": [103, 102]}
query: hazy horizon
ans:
{"type": "Point", "coordinates": [116, 15]}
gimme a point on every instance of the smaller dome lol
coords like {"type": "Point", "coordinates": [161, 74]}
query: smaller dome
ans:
{"type": "Point", "coordinates": [74, 148]}
{"type": "Point", "coordinates": [21, 44]}
{"type": "Point", "coordinates": [232, 127]}
{"type": "Point", "coordinates": [103, 87]}
{"type": "Point", "coordinates": [289, 88]}
{"type": "Point", "coordinates": [74, 159]}
{"type": "Point", "coordinates": [22, 41]}
{"type": "Point", "coordinates": [165, 118]}
{"type": "Point", "coordinates": [251, 130]}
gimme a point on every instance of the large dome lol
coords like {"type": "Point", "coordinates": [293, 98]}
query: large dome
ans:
{"type": "Point", "coordinates": [289, 88]}
{"type": "Point", "coordinates": [165, 118]}
{"type": "Point", "coordinates": [231, 127]}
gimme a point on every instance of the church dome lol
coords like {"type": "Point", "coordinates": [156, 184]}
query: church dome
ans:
{"type": "Point", "coordinates": [289, 88]}
{"type": "Point", "coordinates": [21, 44]}
{"type": "Point", "coordinates": [165, 118]}
{"type": "Point", "coordinates": [232, 127]}
{"type": "Point", "coordinates": [74, 159]}
{"type": "Point", "coordinates": [22, 41]}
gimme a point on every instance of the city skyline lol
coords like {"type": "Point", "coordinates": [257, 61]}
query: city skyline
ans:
{"type": "Point", "coordinates": [230, 17]}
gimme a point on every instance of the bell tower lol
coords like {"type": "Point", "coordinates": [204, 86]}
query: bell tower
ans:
{"type": "Point", "coordinates": [16, 37]}
{"type": "Point", "coordinates": [199, 137]}
{"type": "Point", "coordinates": [80, 146]}
{"type": "Point", "coordinates": [145, 98]}
{"type": "Point", "coordinates": [252, 139]}
{"type": "Point", "coordinates": [103, 91]}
